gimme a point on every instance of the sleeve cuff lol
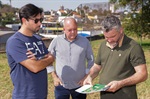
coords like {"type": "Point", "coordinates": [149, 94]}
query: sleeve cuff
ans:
{"type": "Point", "coordinates": [50, 69]}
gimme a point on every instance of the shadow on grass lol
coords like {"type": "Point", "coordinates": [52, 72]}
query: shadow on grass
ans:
{"type": "Point", "coordinates": [145, 44]}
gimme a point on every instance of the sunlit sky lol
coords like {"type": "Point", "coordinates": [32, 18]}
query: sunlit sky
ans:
{"type": "Point", "coordinates": [51, 4]}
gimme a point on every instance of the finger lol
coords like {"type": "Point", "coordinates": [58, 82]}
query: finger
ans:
{"type": "Point", "coordinates": [60, 83]}
{"type": "Point", "coordinates": [109, 84]}
{"type": "Point", "coordinates": [46, 56]}
{"type": "Point", "coordinates": [87, 83]}
{"type": "Point", "coordinates": [30, 55]}
{"type": "Point", "coordinates": [80, 83]}
{"type": "Point", "coordinates": [28, 50]}
{"type": "Point", "coordinates": [56, 84]}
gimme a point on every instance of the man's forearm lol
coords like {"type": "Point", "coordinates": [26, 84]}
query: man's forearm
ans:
{"type": "Point", "coordinates": [139, 76]}
{"type": "Point", "coordinates": [45, 61]}
{"type": "Point", "coordinates": [94, 71]}
{"type": "Point", "coordinates": [38, 65]}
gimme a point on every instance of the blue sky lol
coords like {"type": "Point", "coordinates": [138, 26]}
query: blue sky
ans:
{"type": "Point", "coordinates": [51, 4]}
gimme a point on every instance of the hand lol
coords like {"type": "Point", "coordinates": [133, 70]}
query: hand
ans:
{"type": "Point", "coordinates": [50, 56]}
{"type": "Point", "coordinates": [57, 81]}
{"type": "Point", "coordinates": [82, 80]}
{"type": "Point", "coordinates": [30, 55]}
{"type": "Point", "coordinates": [114, 86]}
{"type": "Point", "coordinates": [88, 80]}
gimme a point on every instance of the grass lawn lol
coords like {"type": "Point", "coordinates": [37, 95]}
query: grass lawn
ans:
{"type": "Point", "coordinates": [6, 86]}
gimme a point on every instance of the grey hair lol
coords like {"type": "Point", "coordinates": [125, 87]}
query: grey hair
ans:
{"type": "Point", "coordinates": [110, 22]}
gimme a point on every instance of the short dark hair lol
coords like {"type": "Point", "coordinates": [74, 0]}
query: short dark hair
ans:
{"type": "Point", "coordinates": [110, 22]}
{"type": "Point", "coordinates": [29, 10]}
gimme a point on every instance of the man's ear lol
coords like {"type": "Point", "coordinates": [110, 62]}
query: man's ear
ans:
{"type": "Point", "coordinates": [121, 30]}
{"type": "Point", "coordinates": [63, 29]}
{"type": "Point", "coordinates": [24, 20]}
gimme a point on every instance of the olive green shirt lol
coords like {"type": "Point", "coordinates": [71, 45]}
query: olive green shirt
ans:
{"type": "Point", "coordinates": [118, 64]}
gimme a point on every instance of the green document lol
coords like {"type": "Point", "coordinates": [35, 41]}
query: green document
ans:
{"type": "Point", "coordinates": [90, 89]}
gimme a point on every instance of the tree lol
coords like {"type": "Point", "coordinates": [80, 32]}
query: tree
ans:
{"type": "Point", "coordinates": [139, 18]}
{"type": "Point", "coordinates": [7, 15]}
{"type": "Point", "coordinates": [146, 17]}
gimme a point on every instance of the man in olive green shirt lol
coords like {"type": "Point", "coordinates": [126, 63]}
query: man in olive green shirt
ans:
{"type": "Point", "coordinates": [121, 61]}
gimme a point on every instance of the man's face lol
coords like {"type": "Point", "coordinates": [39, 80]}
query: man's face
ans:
{"type": "Point", "coordinates": [35, 23]}
{"type": "Point", "coordinates": [113, 36]}
{"type": "Point", "coordinates": [70, 30]}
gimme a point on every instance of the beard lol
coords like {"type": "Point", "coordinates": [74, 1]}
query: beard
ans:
{"type": "Point", "coordinates": [36, 30]}
{"type": "Point", "coordinates": [113, 45]}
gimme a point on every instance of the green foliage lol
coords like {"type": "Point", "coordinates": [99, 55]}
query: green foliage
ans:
{"type": "Point", "coordinates": [7, 18]}
{"type": "Point", "coordinates": [137, 22]}
{"type": "Point", "coordinates": [146, 17]}
{"type": "Point", "coordinates": [7, 14]}
{"type": "Point", "coordinates": [130, 24]}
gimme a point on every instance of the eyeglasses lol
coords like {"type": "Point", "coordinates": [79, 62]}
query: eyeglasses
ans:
{"type": "Point", "coordinates": [37, 20]}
